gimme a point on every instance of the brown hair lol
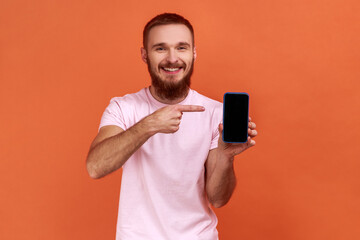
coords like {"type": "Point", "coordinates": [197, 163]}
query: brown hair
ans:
{"type": "Point", "coordinates": [165, 19]}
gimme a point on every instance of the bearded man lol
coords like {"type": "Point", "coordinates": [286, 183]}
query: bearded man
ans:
{"type": "Point", "coordinates": [168, 140]}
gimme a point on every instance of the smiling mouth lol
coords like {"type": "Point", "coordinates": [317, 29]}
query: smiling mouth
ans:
{"type": "Point", "coordinates": [171, 70]}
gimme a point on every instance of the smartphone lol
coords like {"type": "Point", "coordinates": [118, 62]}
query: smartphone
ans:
{"type": "Point", "coordinates": [235, 117]}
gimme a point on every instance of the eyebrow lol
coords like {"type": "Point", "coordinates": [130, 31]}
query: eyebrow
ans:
{"type": "Point", "coordinates": [184, 44]}
{"type": "Point", "coordinates": [162, 44]}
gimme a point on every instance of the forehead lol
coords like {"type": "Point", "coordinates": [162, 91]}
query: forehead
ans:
{"type": "Point", "coordinates": [169, 34]}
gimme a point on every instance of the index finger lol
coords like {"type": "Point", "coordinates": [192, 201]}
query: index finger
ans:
{"type": "Point", "coordinates": [190, 108]}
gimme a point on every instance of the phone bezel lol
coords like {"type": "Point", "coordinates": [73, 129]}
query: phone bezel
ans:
{"type": "Point", "coordinates": [235, 93]}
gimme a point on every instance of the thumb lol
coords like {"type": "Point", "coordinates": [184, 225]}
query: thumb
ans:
{"type": "Point", "coordinates": [221, 127]}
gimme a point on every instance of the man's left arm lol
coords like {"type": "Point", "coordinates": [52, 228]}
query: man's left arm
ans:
{"type": "Point", "coordinates": [220, 175]}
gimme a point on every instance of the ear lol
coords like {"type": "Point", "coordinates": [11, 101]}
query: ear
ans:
{"type": "Point", "coordinates": [195, 53]}
{"type": "Point", "coordinates": [143, 54]}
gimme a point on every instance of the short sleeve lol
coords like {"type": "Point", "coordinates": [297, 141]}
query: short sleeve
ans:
{"type": "Point", "coordinates": [216, 120]}
{"type": "Point", "coordinates": [113, 115]}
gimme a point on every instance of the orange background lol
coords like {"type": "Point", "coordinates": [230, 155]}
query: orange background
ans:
{"type": "Point", "coordinates": [61, 61]}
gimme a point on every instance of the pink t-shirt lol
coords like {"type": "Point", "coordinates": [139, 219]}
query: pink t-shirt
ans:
{"type": "Point", "coordinates": [163, 183]}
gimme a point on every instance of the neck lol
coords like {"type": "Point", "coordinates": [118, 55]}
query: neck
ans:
{"type": "Point", "coordinates": [165, 100]}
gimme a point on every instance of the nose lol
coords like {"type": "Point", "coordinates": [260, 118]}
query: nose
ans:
{"type": "Point", "coordinates": [172, 56]}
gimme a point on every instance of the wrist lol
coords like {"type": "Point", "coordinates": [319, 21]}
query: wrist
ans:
{"type": "Point", "coordinates": [224, 155]}
{"type": "Point", "coordinates": [225, 160]}
{"type": "Point", "coordinates": [148, 126]}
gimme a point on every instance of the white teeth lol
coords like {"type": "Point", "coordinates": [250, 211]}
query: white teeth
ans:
{"type": "Point", "coordinates": [171, 69]}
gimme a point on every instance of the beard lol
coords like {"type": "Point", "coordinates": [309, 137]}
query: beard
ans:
{"type": "Point", "coordinates": [168, 89]}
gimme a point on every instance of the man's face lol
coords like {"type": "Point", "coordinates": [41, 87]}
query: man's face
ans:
{"type": "Point", "coordinates": [170, 58]}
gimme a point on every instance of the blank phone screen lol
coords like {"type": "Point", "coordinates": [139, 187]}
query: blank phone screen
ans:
{"type": "Point", "coordinates": [236, 117]}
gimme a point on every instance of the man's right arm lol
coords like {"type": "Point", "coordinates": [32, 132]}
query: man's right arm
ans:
{"type": "Point", "coordinates": [113, 146]}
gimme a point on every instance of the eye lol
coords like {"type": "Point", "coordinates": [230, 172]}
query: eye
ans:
{"type": "Point", "coordinates": [182, 48]}
{"type": "Point", "coordinates": [159, 49]}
